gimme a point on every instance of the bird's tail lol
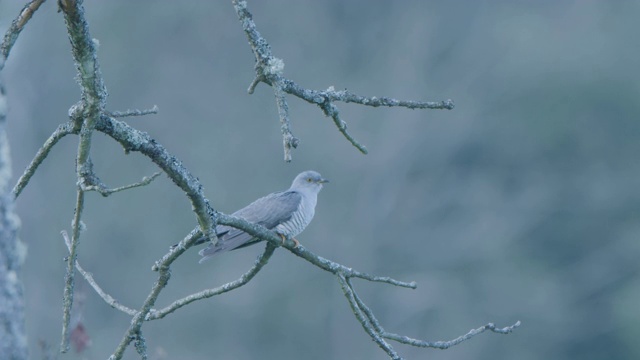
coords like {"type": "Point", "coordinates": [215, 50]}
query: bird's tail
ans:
{"type": "Point", "coordinates": [213, 249]}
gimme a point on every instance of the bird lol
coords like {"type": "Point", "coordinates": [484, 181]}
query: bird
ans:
{"type": "Point", "coordinates": [286, 212]}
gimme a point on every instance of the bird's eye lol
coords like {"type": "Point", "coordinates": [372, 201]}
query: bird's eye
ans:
{"type": "Point", "coordinates": [308, 179]}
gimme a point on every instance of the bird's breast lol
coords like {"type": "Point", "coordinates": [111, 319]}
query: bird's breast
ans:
{"type": "Point", "coordinates": [299, 220]}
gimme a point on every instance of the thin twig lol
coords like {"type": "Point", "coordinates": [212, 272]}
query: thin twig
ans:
{"type": "Point", "coordinates": [365, 310]}
{"type": "Point", "coordinates": [447, 344]}
{"type": "Point", "coordinates": [364, 321]}
{"type": "Point", "coordinates": [288, 140]}
{"type": "Point", "coordinates": [261, 261]}
{"type": "Point", "coordinates": [332, 111]}
{"type": "Point", "coordinates": [16, 27]}
{"type": "Point", "coordinates": [89, 277]}
{"type": "Point", "coordinates": [136, 323]}
{"type": "Point", "coordinates": [134, 112]}
{"type": "Point", "coordinates": [62, 131]}
{"type": "Point", "coordinates": [257, 80]}
{"type": "Point", "coordinates": [67, 298]}
{"type": "Point", "coordinates": [348, 97]}
{"type": "Point", "coordinates": [179, 249]}
{"type": "Point", "coordinates": [319, 97]}
{"type": "Point", "coordinates": [104, 191]}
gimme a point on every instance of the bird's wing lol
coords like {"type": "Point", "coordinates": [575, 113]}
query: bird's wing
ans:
{"type": "Point", "coordinates": [269, 211]}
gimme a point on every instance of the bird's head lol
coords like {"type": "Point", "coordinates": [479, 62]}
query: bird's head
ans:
{"type": "Point", "coordinates": [309, 180]}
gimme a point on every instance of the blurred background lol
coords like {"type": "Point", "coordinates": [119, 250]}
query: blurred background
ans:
{"type": "Point", "coordinates": [520, 204]}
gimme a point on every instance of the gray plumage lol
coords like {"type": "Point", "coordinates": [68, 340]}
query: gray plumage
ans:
{"type": "Point", "coordinates": [287, 213]}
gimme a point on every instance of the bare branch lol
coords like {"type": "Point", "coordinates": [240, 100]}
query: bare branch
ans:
{"type": "Point", "coordinates": [447, 344]}
{"type": "Point", "coordinates": [347, 97]}
{"type": "Point", "coordinates": [261, 232]}
{"type": "Point", "coordinates": [332, 111]}
{"type": "Point", "coordinates": [16, 27]}
{"type": "Point", "coordinates": [135, 140]}
{"type": "Point", "coordinates": [104, 191]}
{"type": "Point", "coordinates": [94, 96]}
{"type": "Point", "coordinates": [147, 313]}
{"type": "Point", "coordinates": [140, 344]}
{"type": "Point", "coordinates": [62, 131]}
{"type": "Point", "coordinates": [364, 315]}
{"type": "Point", "coordinates": [366, 325]}
{"type": "Point", "coordinates": [67, 298]}
{"type": "Point", "coordinates": [134, 112]}
{"type": "Point", "coordinates": [178, 250]}
{"type": "Point", "coordinates": [261, 261]}
{"type": "Point", "coordinates": [269, 70]}
{"type": "Point", "coordinates": [136, 323]}
{"type": "Point", "coordinates": [89, 277]}
{"type": "Point", "coordinates": [288, 140]}
{"type": "Point", "coordinates": [257, 80]}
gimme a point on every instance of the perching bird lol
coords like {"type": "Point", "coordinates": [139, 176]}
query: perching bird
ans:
{"type": "Point", "coordinates": [287, 213]}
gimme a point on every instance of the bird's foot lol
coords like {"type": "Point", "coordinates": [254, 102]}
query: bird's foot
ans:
{"type": "Point", "coordinates": [284, 239]}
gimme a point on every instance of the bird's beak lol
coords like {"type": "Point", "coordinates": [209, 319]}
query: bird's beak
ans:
{"type": "Point", "coordinates": [322, 181]}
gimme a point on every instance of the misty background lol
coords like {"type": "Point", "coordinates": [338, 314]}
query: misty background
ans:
{"type": "Point", "coordinates": [522, 203]}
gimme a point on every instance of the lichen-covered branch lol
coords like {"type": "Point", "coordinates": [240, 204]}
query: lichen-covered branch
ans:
{"type": "Point", "coordinates": [132, 139]}
{"type": "Point", "coordinates": [288, 140]}
{"type": "Point", "coordinates": [377, 332]}
{"type": "Point", "coordinates": [94, 96]}
{"type": "Point", "coordinates": [16, 27]}
{"type": "Point", "coordinates": [105, 191]}
{"type": "Point", "coordinates": [350, 294]}
{"type": "Point", "coordinates": [447, 344]}
{"type": "Point", "coordinates": [62, 131]}
{"type": "Point", "coordinates": [134, 112]}
{"type": "Point", "coordinates": [138, 319]}
{"type": "Point", "coordinates": [261, 261]}
{"type": "Point", "coordinates": [269, 70]}
{"type": "Point", "coordinates": [89, 277]}
{"type": "Point", "coordinates": [69, 279]}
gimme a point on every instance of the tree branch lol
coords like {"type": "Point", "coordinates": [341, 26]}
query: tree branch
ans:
{"type": "Point", "coordinates": [364, 321]}
{"type": "Point", "coordinates": [261, 261]}
{"type": "Point", "coordinates": [94, 96]}
{"type": "Point", "coordinates": [134, 112]}
{"type": "Point", "coordinates": [62, 131]}
{"type": "Point", "coordinates": [67, 298]}
{"type": "Point", "coordinates": [447, 344]}
{"type": "Point", "coordinates": [375, 325]}
{"type": "Point", "coordinates": [136, 323]}
{"type": "Point", "coordinates": [16, 27]}
{"type": "Point", "coordinates": [132, 139]}
{"type": "Point", "coordinates": [97, 185]}
{"type": "Point", "coordinates": [89, 277]}
{"type": "Point", "coordinates": [363, 313]}
{"type": "Point", "coordinates": [269, 70]}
